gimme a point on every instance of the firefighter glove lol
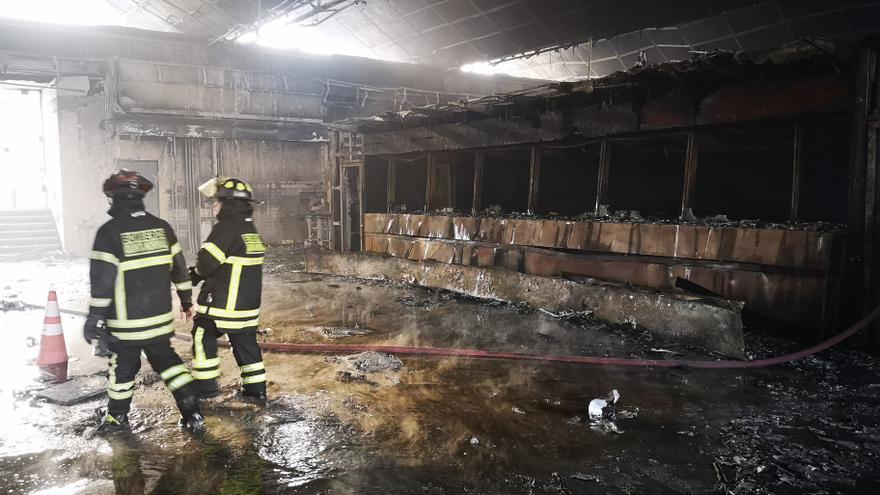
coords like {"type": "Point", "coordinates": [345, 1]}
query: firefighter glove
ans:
{"type": "Point", "coordinates": [92, 328]}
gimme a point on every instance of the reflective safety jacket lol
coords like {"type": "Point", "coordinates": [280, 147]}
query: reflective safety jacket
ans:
{"type": "Point", "coordinates": [231, 262]}
{"type": "Point", "coordinates": [134, 262]}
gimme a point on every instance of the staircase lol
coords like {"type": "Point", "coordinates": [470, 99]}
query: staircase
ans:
{"type": "Point", "coordinates": [27, 233]}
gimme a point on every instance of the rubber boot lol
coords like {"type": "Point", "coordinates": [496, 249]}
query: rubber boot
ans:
{"type": "Point", "coordinates": [109, 424]}
{"type": "Point", "coordinates": [206, 389]}
{"type": "Point", "coordinates": [191, 415]}
{"type": "Point", "coordinates": [254, 393]}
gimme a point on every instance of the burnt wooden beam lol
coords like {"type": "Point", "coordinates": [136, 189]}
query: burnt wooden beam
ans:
{"type": "Point", "coordinates": [604, 170]}
{"type": "Point", "coordinates": [820, 94]}
{"type": "Point", "coordinates": [871, 269]}
{"type": "Point", "coordinates": [392, 183]}
{"type": "Point", "coordinates": [479, 159]}
{"type": "Point", "coordinates": [215, 129]}
{"type": "Point", "coordinates": [729, 104]}
{"type": "Point", "coordinates": [534, 178]}
{"type": "Point", "coordinates": [690, 174]}
{"type": "Point", "coordinates": [429, 178]}
{"type": "Point", "coordinates": [796, 169]}
{"type": "Point", "coordinates": [609, 257]}
{"type": "Point", "coordinates": [859, 244]}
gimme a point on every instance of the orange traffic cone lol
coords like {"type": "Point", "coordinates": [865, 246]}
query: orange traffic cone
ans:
{"type": "Point", "coordinates": [52, 359]}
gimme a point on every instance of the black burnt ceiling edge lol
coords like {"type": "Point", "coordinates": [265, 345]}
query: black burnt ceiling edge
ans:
{"type": "Point", "coordinates": [699, 76]}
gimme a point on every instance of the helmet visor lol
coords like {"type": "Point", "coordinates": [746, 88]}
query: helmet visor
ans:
{"type": "Point", "coordinates": [209, 188]}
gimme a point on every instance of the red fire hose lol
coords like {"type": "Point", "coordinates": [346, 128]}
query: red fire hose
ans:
{"type": "Point", "coordinates": [473, 353]}
{"type": "Point", "coordinates": [521, 356]}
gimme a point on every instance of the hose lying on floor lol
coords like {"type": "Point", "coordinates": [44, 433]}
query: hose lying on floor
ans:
{"type": "Point", "coordinates": [603, 361]}
{"type": "Point", "coordinates": [473, 353]}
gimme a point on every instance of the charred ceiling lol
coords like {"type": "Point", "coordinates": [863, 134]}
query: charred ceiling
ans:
{"type": "Point", "coordinates": [544, 39]}
{"type": "Point", "coordinates": [653, 90]}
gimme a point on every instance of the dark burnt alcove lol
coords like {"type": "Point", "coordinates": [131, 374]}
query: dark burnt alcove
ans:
{"type": "Point", "coordinates": [744, 171]}
{"type": "Point", "coordinates": [506, 179]}
{"type": "Point", "coordinates": [567, 186]}
{"type": "Point", "coordinates": [647, 174]}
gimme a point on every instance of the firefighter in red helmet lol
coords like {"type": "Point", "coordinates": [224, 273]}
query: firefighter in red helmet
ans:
{"type": "Point", "coordinates": [134, 263]}
{"type": "Point", "coordinates": [231, 264]}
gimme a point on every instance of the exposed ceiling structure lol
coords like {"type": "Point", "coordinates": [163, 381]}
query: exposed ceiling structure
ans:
{"type": "Point", "coordinates": [546, 39]}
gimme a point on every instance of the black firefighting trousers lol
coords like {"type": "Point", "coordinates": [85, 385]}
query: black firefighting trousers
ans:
{"type": "Point", "coordinates": [125, 362]}
{"type": "Point", "coordinates": [206, 364]}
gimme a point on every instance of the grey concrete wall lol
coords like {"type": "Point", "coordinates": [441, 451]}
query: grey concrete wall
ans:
{"type": "Point", "coordinates": [287, 175]}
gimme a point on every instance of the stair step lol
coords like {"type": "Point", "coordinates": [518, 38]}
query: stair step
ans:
{"type": "Point", "coordinates": [29, 241]}
{"type": "Point", "coordinates": [41, 211]}
{"type": "Point", "coordinates": [9, 221]}
{"type": "Point", "coordinates": [28, 232]}
{"type": "Point", "coordinates": [6, 222]}
{"type": "Point", "coordinates": [20, 250]}
{"type": "Point", "coordinates": [25, 254]}
{"type": "Point", "coordinates": [25, 247]}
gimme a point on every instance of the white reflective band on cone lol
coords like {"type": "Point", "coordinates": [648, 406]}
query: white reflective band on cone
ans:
{"type": "Point", "coordinates": [52, 329]}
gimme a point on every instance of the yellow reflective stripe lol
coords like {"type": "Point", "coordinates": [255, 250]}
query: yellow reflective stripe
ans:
{"type": "Point", "coordinates": [115, 390]}
{"type": "Point", "coordinates": [254, 379]}
{"type": "Point", "coordinates": [111, 373]}
{"type": "Point", "coordinates": [175, 248]}
{"type": "Point", "coordinates": [234, 280]}
{"type": "Point", "coordinates": [119, 289]}
{"type": "Point", "coordinates": [198, 346]}
{"type": "Point", "coordinates": [206, 363]}
{"type": "Point", "coordinates": [102, 256]}
{"type": "Point", "coordinates": [236, 324]}
{"type": "Point", "coordinates": [121, 387]}
{"type": "Point", "coordinates": [179, 382]}
{"type": "Point", "coordinates": [205, 375]}
{"type": "Point", "coordinates": [216, 252]}
{"type": "Point", "coordinates": [238, 313]}
{"type": "Point", "coordinates": [253, 367]}
{"type": "Point", "coordinates": [142, 322]}
{"type": "Point", "coordinates": [173, 371]}
{"type": "Point", "coordinates": [144, 334]}
{"type": "Point", "coordinates": [119, 296]}
{"type": "Point", "coordinates": [238, 260]}
{"type": "Point", "coordinates": [120, 395]}
{"type": "Point", "coordinates": [188, 285]}
{"type": "Point", "coordinates": [162, 259]}
{"type": "Point", "coordinates": [100, 302]}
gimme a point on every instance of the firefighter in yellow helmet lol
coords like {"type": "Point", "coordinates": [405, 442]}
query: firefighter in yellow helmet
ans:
{"type": "Point", "coordinates": [134, 263]}
{"type": "Point", "coordinates": [230, 263]}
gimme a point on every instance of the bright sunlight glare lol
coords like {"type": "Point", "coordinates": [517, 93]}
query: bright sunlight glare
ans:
{"type": "Point", "coordinates": [281, 34]}
{"type": "Point", "coordinates": [78, 12]}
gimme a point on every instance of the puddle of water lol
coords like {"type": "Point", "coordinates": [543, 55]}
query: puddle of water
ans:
{"type": "Point", "coordinates": [785, 430]}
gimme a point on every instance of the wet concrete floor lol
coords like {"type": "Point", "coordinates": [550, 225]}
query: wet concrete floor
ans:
{"type": "Point", "coordinates": [368, 424]}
